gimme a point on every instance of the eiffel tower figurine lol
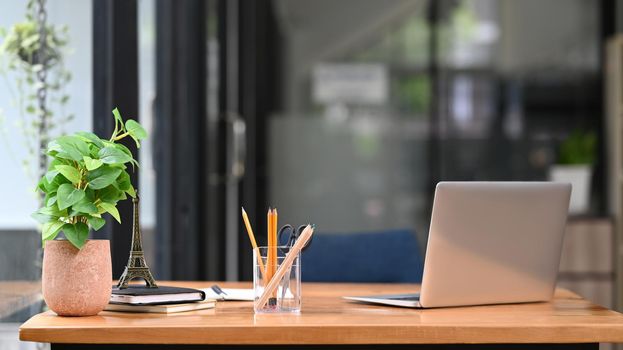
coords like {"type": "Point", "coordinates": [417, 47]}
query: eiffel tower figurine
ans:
{"type": "Point", "coordinates": [136, 267]}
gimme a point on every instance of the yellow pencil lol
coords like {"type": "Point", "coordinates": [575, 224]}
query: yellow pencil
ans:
{"type": "Point", "coordinates": [253, 242]}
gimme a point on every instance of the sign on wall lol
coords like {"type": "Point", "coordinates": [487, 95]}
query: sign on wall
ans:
{"type": "Point", "coordinates": [350, 83]}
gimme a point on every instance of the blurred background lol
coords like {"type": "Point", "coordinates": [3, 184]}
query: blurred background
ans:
{"type": "Point", "coordinates": [341, 113]}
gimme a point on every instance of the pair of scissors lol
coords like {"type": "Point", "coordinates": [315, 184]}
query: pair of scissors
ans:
{"type": "Point", "coordinates": [292, 235]}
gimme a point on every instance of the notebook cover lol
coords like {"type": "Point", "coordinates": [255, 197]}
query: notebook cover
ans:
{"type": "Point", "coordinates": [134, 290]}
{"type": "Point", "coordinates": [163, 309]}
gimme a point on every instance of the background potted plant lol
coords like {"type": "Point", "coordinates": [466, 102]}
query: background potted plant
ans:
{"type": "Point", "coordinates": [575, 165]}
{"type": "Point", "coordinates": [86, 178]}
{"type": "Point", "coordinates": [32, 60]}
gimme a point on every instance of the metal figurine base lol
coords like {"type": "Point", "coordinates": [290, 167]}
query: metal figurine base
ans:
{"type": "Point", "coordinates": [136, 267]}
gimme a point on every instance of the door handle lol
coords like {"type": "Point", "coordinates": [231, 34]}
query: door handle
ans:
{"type": "Point", "coordinates": [237, 148]}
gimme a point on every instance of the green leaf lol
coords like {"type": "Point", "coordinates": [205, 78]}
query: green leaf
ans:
{"type": "Point", "coordinates": [53, 210]}
{"type": "Point", "coordinates": [85, 206]}
{"type": "Point", "coordinates": [126, 151]}
{"type": "Point", "coordinates": [112, 155]}
{"type": "Point", "coordinates": [49, 213]}
{"type": "Point", "coordinates": [41, 218]}
{"type": "Point", "coordinates": [95, 222]}
{"type": "Point", "coordinates": [120, 146]}
{"type": "Point", "coordinates": [89, 195]}
{"type": "Point", "coordinates": [72, 174]}
{"type": "Point", "coordinates": [136, 141]}
{"type": "Point", "coordinates": [135, 129]}
{"type": "Point", "coordinates": [93, 151]}
{"type": "Point", "coordinates": [102, 177]}
{"type": "Point", "coordinates": [109, 194]}
{"type": "Point", "coordinates": [122, 195]}
{"type": "Point", "coordinates": [77, 233]}
{"type": "Point", "coordinates": [68, 195]}
{"type": "Point", "coordinates": [112, 210]}
{"type": "Point", "coordinates": [91, 137]}
{"type": "Point", "coordinates": [117, 115]}
{"type": "Point", "coordinates": [43, 184]}
{"type": "Point", "coordinates": [123, 181]}
{"type": "Point", "coordinates": [50, 187]}
{"type": "Point", "coordinates": [50, 175]}
{"type": "Point", "coordinates": [53, 146]}
{"type": "Point", "coordinates": [71, 147]}
{"type": "Point", "coordinates": [51, 229]}
{"type": "Point", "coordinates": [55, 162]}
{"type": "Point", "coordinates": [91, 163]}
{"type": "Point", "coordinates": [50, 201]}
{"type": "Point", "coordinates": [131, 192]}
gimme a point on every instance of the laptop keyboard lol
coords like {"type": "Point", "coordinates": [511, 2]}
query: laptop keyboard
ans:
{"type": "Point", "coordinates": [405, 297]}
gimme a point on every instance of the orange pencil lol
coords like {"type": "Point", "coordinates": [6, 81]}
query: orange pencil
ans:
{"type": "Point", "coordinates": [274, 248]}
{"type": "Point", "coordinates": [269, 244]}
{"type": "Point", "coordinates": [273, 243]}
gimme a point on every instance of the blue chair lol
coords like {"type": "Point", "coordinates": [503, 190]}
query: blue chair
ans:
{"type": "Point", "coordinates": [387, 256]}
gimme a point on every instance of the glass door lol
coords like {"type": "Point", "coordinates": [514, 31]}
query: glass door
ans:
{"type": "Point", "coordinates": [349, 146]}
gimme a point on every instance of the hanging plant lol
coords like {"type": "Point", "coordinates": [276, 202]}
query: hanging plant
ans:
{"type": "Point", "coordinates": [31, 63]}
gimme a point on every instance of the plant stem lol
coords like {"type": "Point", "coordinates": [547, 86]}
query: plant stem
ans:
{"type": "Point", "coordinates": [120, 136]}
{"type": "Point", "coordinates": [114, 133]}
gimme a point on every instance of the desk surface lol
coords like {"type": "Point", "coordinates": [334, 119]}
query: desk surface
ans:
{"type": "Point", "coordinates": [327, 319]}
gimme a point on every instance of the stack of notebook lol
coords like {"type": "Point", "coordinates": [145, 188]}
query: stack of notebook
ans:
{"type": "Point", "coordinates": [163, 299]}
{"type": "Point", "coordinates": [168, 300]}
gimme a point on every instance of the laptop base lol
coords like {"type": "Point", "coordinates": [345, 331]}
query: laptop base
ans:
{"type": "Point", "coordinates": [402, 300]}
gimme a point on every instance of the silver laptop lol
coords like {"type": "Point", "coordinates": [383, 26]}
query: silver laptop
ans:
{"type": "Point", "coordinates": [490, 243]}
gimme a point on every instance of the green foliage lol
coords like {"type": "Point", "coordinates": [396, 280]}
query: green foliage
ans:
{"type": "Point", "coordinates": [86, 178]}
{"type": "Point", "coordinates": [578, 148]}
{"type": "Point", "coordinates": [414, 94]}
{"type": "Point", "coordinates": [21, 60]}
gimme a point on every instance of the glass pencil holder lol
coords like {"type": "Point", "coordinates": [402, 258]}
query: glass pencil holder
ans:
{"type": "Point", "coordinates": [286, 294]}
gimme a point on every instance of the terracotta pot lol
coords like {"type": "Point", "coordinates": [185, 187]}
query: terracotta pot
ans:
{"type": "Point", "coordinates": [77, 282]}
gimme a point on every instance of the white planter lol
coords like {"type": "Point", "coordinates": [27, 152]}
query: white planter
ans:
{"type": "Point", "coordinates": [579, 176]}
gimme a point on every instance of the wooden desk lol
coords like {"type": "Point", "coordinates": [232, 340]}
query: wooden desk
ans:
{"type": "Point", "coordinates": [327, 319]}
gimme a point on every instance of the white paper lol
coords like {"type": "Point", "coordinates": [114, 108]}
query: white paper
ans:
{"type": "Point", "coordinates": [230, 294]}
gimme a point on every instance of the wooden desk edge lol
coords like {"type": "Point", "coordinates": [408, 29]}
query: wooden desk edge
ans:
{"type": "Point", "coordinates": [581, 331]}
{"type": "Point", "coordinates": [377, 334]}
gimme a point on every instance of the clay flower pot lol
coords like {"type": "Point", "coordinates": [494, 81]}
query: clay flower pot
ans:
{"type": "Point", "coordinates": [77, 282]}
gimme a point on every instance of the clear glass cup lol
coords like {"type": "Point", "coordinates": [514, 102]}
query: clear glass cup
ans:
{"type": "Point", "coordinates": [287, 296]}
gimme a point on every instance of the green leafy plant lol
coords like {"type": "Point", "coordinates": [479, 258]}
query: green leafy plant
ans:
{"type": "Point", "coordinates": [86, 178]}
{"type": "Point", "coordinates": [578, 148]}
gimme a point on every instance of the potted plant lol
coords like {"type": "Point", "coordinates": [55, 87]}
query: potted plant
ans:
{"type": "Point", "coordinates": [86, 178]}
{"type": "Point", "coordinates": [575, 165]}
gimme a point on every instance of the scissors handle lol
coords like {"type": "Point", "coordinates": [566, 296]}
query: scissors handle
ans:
{"type": "Point", "coordinates": [292, 235]}
{"type": "Point", "coordinates": [286, 230]}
